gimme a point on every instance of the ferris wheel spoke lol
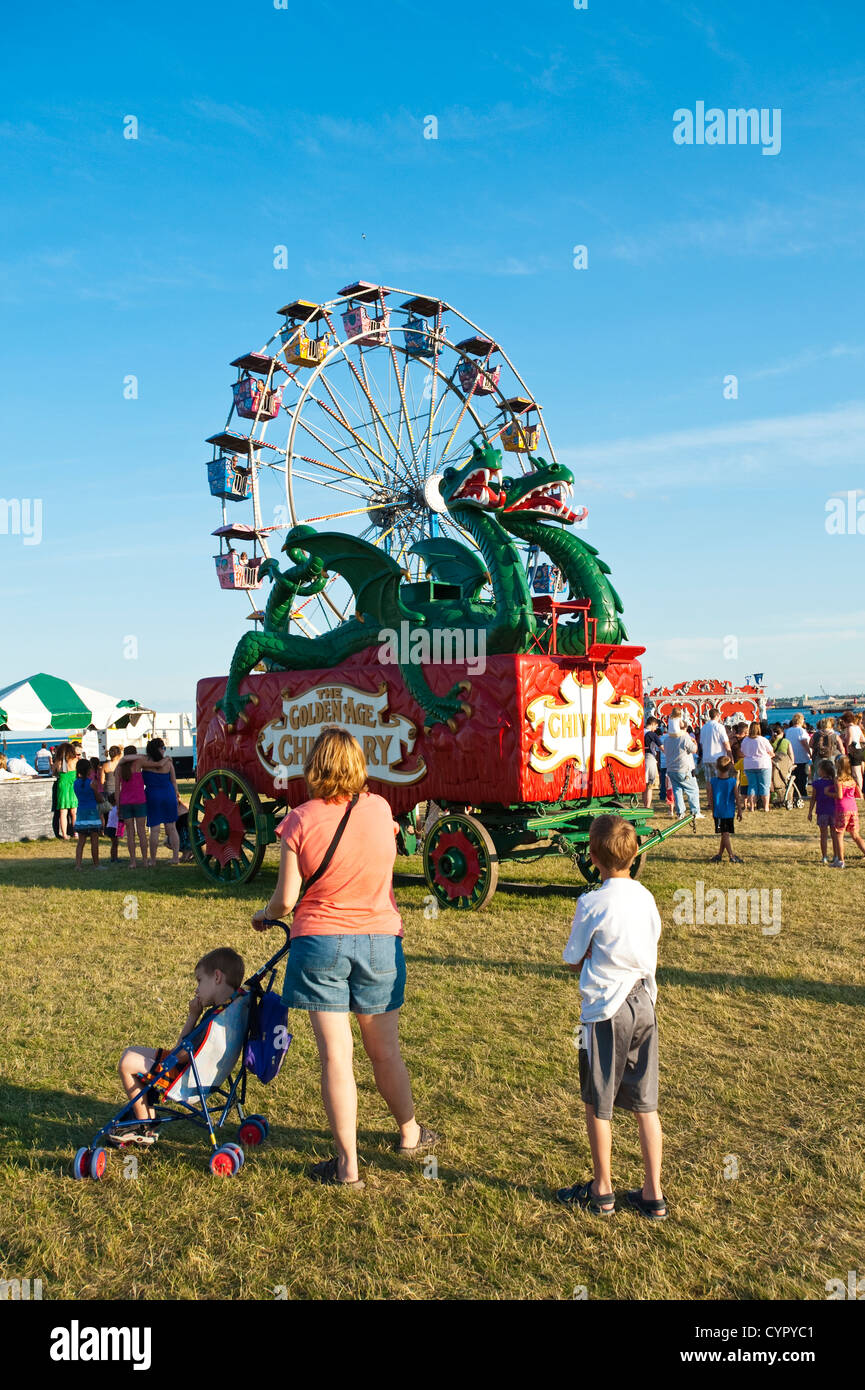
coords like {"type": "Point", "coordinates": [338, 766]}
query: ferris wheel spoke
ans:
{"type": "Point", "coordinates": [365, 387]}
{"type": "Point", "coordinates": [343, 469]}
{"type": "Point", "coordinates": [344, 408]}
{"type": "Point", "coordinates": [334, 516]}
{"type": "Point", "coordinates": [368, 453]}
{"type": "Point", "coordinates": [404, 413]}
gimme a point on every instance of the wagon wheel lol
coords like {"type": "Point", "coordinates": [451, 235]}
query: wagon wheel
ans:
{"type": "Point", "coordinates": [227, 828]}
{"type": "Point", "coordinates": [591, 874]}
{"type": "Point", "coordinates": [460, 862]}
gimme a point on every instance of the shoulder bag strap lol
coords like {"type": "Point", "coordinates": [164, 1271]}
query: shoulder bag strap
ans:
{"type": "Point", "coordinates": [331, 850]}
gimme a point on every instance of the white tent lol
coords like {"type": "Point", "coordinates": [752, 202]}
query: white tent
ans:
{"type": "Point", "coordinates": [47, 702]}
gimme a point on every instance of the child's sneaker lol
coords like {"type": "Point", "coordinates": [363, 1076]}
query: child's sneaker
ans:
{"type": "Point", "coordinates": [826, 860]}
{"type": "Point", "coordinates": [143, 1134]}
{"type": "Point", "coordinates": [838, 864]}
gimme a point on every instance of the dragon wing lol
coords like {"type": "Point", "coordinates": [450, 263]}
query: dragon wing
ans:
{"type": "Point", "coordinates": [453, 563]}
{"type": "Point", "coordinates": [373, 576]}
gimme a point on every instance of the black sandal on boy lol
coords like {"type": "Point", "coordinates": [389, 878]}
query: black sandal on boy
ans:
{"type": "Point", "coordinates": [582, 1196]}
{"type": "Point", "coordinates": [655, 1208]}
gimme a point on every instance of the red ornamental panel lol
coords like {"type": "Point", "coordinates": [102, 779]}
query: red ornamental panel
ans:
{"type": "Point", "coordinates": [529, 737]}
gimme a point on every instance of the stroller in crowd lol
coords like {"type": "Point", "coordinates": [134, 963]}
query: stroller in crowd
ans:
{"type": "Point", "coordinates": [248, 1034]}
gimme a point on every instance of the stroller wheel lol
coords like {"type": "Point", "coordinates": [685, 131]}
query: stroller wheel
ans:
{"type": "Point", "coordinates": [236, 1149]}
{"type": "Point", "coordinates": [253, 1131]}
{"type": "Point", "coordinates": [224, 1162]}
{"type": "Point", "coordinates": [98, 1164]}
{"type": "Point", "coordinates": [81, 1163]}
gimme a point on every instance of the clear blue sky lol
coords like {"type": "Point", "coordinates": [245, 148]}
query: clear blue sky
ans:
{"type": "Point", "coordinates": [304, 127]}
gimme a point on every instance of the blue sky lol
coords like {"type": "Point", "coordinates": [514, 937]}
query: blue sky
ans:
{"type": "Point", "coordinates": [304, 127]}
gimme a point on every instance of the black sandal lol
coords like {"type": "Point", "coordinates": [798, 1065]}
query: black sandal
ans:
{"type": "Point", "coordinates": [326, 1172]}
{"type": "Point", "coordinates": [427, 1140]}
{"type": "Point", "coordinates": [655, 1208]}
{"type": "Point", "coordinates": [582, 1196]}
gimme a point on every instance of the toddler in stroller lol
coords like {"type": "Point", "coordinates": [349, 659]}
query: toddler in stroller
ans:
{"type": "Point", "coordinates": [229, 1025]}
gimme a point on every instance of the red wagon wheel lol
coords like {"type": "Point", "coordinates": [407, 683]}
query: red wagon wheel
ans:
{"type": "Point", "coordinates": [460, 861]}
{"type": "Point", "coordinates": [227, 828]}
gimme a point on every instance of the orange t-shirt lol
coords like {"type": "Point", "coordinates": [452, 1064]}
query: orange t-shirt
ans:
{"type": "Point", "coordinates": [355, 892]}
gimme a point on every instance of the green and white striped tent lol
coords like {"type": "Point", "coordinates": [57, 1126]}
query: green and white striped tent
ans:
{"type": "Point", "coordinates": [47, 702]}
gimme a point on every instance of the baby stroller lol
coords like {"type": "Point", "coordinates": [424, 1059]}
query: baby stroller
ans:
{"type": "Point", "coordinates": [785, 791]}
{"type": "Point", "coordinates": [246, 1034]}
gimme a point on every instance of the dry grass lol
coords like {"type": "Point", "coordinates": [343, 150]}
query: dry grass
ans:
{"type": "Point", "coordinates": [759, 1060]}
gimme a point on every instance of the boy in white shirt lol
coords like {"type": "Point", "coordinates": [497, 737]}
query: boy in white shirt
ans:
{"type": "Point", "coordinates": [614, 945]}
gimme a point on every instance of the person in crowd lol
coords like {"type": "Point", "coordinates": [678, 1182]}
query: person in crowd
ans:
{"type": "Point", "coordinates": [112, 826]}
{"type": "Point", "coordinates": [679, 750]}
{"type": "Point", "coordinates": [757, 756]}
{"type": "Point", "coordinates": [65, 764]}
{"type": "Point", "coordinates": [132, 802]}
{"type": "Point", "coordinates": [42, 761]}
{"type": "Point", "coordinates": [186, 855]}
{"type": "Point", "coordinates": [160, 784]}
{"type": "Point", "coordinates": [614, 945]}
{"type": "Point", "coordinates": [5, 774]}
{"type": "Point", "coordinates": [19, 766]}
{"type": "Point", "coordinates": [800, 742]}
{"type": "Point", "coordinates": [846, 793]}
{"type": "Point", "coordinates": [854, 744]}
{"type": "Point", "coordinates": [823, 804]}
{"type": "Point", "coordinates": [782, 763]}
{"type": "Point", "coordinates": [826, 742]}
{"type": "Point", "coordinates": [654, 750]}
{"type": "Point", "coordinates": [108, 769]}
{"type": "Point", "coordinates": [88, 821]}
{"type": "Point", "coordinates": [346, 944]}
{"type": "Point", "coordinates": [714, 744]}
{"type": "Point", "coordinates": [218, 977]}
{"type": "Point", "coordinates": [727, 804]}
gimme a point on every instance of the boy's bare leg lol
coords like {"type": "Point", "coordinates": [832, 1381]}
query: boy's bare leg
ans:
{"type": "Point", "coordinates": [601, 1144]}
{"type": "Point", "coordinates": [726, 844]}
{"type": "Point", "coordinates": [651, 1144]}
{"type": "Point", "coordinates": [136, 1059]}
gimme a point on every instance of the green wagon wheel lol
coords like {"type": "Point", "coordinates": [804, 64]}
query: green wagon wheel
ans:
{"type": "Point", "coordinates": [228, 830]}
{"type": "Point", "coordinates": [460, 862]}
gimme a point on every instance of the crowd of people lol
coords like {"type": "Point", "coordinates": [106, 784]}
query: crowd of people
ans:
{"type": "Point", "coordinates": [129, 795]}
{"type": "Point", "coordinates": [745, 765]}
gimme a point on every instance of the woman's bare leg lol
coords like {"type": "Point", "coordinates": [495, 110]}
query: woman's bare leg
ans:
{"type": "Point", "coordinates": [338, 1089]}
{"type": "Point", "coordinates": [174, 841]}
{"type": "Point", "coordinates": [380, 1035]}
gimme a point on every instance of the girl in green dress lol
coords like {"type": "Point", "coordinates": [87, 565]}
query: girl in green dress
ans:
{"type": "Point", "coordinates": [64, 766]}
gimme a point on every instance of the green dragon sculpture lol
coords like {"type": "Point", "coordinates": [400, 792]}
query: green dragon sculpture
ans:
{"type": "Point", "coordinates": [533, 501]}
{"type": "Point", "coordinates": [384, 601]}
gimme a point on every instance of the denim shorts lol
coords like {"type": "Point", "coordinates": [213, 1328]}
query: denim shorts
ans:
{"type": "Point", "coordinates": [132, 810]}
{"type": "Point", "coordinates": [355, 973]}
{"type": "Point", "coordinates": [759, 779]}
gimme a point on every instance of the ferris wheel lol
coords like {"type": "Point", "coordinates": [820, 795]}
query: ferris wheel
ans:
{"type": "Point", "coordinates": [347, 417]}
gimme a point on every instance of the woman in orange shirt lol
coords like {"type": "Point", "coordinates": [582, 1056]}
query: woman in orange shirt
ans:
{"type": "Point", "coordinates": [346, 944]}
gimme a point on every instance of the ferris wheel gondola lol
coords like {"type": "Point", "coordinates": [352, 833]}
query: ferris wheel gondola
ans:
{"type": "Point", "coordinates": [348, 416]}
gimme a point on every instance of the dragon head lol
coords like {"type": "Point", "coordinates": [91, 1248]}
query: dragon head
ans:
{"type": "Point", "coordinates": [474, 483]}
{"type": "Point", "coordinates": [541, 493]}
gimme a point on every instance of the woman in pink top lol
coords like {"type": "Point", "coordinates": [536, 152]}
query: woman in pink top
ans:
{"type": "Point", "coordinates": [346, 944]}
{"type": "Point", "coordinates": [132, 802]}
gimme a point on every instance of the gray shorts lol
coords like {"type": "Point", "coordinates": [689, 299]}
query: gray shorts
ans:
{"type": "Point", "coordinates": [710, 770]}
{"type": "Point", "coordinates": [619, 1063]}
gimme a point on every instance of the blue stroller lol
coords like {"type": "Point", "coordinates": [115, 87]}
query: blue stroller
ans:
{"type": "Point", "coordinates": [247, 1034]}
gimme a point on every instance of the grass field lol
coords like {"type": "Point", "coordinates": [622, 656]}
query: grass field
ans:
{"type": "Point", "coordinates": [761, 1075]}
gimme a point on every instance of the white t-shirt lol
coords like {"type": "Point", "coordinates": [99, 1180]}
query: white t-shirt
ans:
{"type": "Point", "coordinates": [621, 923]}
{"type": "Point", "coordinates": [42, 760]}
{"type": "Point", "coordinates": [800, 742]}
{"type": "Point", "coordinates": [756, 752]}
{"type": "Point", "coordinates": [20, 767]}
{"type": "Point", "coordinates": [714, 741]}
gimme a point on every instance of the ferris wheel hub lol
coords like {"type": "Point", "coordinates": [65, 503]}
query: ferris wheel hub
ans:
{"type": "Point", "coordinates": [432, 493]}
